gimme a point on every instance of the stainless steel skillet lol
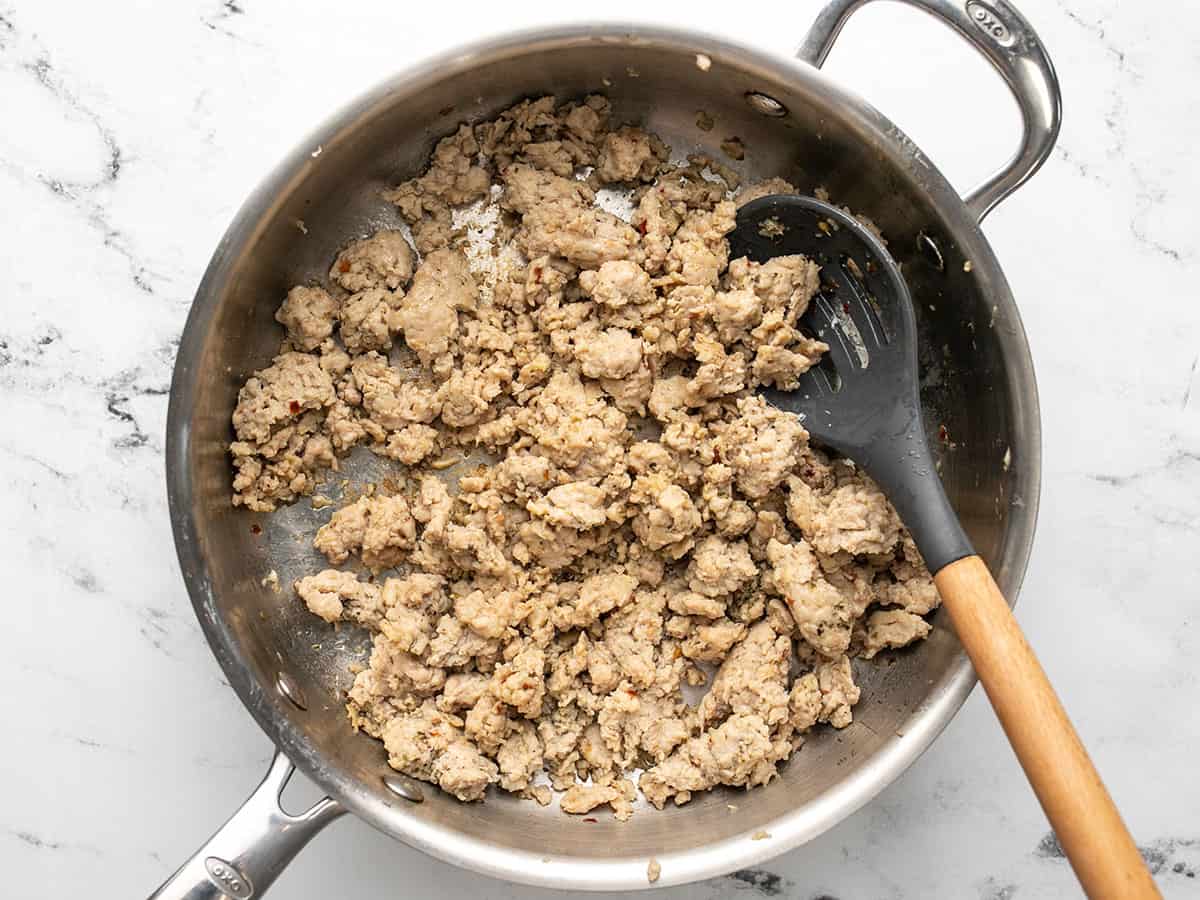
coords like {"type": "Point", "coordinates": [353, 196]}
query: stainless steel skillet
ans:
{"type": "Point", "coordinates": [795, 122]}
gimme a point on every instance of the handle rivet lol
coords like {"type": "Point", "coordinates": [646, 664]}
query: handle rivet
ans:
{"type": "Point", "coordinates": [290, 690]}
{"type": "Point", "coordinates": [403, 787]}
{"type": "Point", "coordinates": [765, 105]}
{"type": "Point", "coordinates": [931, 251]}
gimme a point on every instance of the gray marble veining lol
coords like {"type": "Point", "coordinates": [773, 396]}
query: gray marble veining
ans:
{"type": "Point", "coordinates": [132, 133]}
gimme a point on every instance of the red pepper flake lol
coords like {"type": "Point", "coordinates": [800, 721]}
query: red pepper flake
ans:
{"type": "Point", "coordinates": [642, 227]}
{"type": "Point", "coordinates": [846, 308]}
{"type": "Point", "coordinates": [344, 266]}
{"type": "Point", "coordinates": [294, 406]}
{"type": "Point", "coordinates": [256, 528]}
{"type": "Point", "coordinates": [590, 820]}
{"type": "Point", "coordinates": [943, 434]}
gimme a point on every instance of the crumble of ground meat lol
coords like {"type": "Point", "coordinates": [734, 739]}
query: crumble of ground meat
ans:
{"type": "Point", "coordinates": [536, 618]}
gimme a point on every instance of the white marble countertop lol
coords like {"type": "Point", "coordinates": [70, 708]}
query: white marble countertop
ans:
{"type": "Point", "coordinates": [134, 130]}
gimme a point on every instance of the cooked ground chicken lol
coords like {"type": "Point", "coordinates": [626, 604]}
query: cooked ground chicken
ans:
{"type": "Point", "coordinates": [647, 514]}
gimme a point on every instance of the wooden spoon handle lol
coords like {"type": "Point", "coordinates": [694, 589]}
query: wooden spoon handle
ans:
{"type": "Point", "coordinates": [1089, 828]}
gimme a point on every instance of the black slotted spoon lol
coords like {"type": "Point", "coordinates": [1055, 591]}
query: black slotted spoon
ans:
{"type": "Point", "coordinates": [863, 402]}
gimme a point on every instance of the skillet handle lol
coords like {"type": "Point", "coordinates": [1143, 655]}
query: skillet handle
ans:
{"type": "Point", "coordinates": [1010, 44]}
{"type": "Point", "coordinates": [249, 851]}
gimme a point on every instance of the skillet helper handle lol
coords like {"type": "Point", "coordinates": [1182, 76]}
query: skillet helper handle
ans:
{"type": "Point", "coordinates": [1089, 828]}
{"type": "Point", "coordinates": [249, 851]}
{"type": "Point", "coordinates": [1009, 43]}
